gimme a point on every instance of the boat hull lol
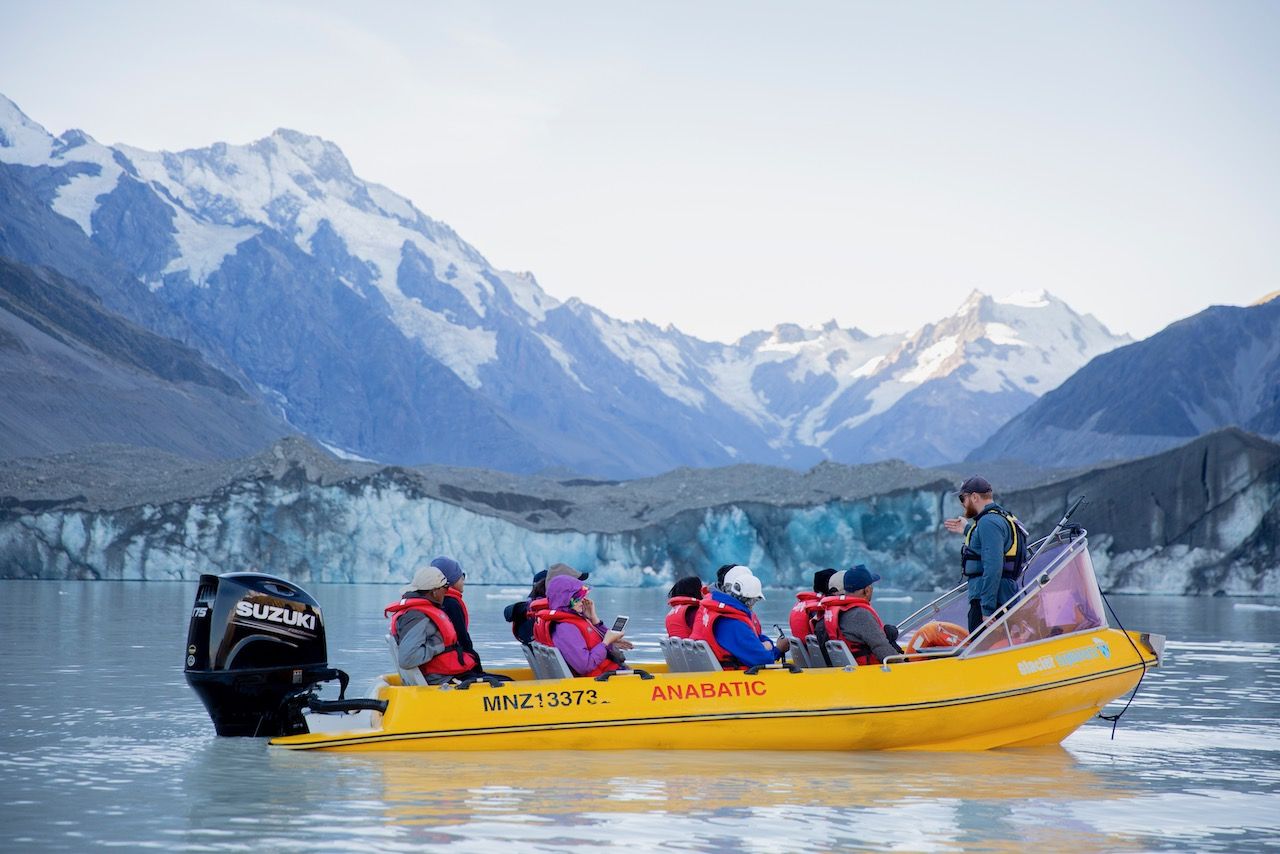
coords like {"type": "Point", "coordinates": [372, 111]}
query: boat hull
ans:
{"type": "Point", "coordinates": [1035, 694]}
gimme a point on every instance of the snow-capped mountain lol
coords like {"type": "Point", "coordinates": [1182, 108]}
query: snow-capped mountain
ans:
{"type": "Point", "coordinates": [378, 330]}
{"type": "Point", "coordinates": [1215, 369]}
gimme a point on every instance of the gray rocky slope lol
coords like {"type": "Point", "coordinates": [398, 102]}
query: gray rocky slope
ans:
{"type": "Point", "coordinates": [73, 373]}
{"type": "Point", "coordinates": [1198, 519]}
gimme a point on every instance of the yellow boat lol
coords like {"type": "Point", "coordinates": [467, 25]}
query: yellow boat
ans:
{"type": "Point", "coordinates": [1041, 667]}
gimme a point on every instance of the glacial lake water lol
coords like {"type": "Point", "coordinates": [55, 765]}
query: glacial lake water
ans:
{"type": "Point", "coordinates": [106, 746]}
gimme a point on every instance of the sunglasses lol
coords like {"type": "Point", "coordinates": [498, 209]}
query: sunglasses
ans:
{"type": "Point", "coordinates": [962, 496]}
{"type": "Point", "coordinates": [579, 596]}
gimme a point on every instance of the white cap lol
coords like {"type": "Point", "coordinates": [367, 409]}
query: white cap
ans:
{"type": "Point", "coordinates": [427, 577]}
{"type": "Point", "coordinates": [740, 582]}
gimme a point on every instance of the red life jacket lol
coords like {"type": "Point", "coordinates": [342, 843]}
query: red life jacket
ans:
{"type": "Point", "coordinates": [808, 608]}
{"type": "Point", "coordinates": [835, 606]}
{"type": "Point", "coordinates": [452, 660]}
{"type": "Point", "coordinates": [678, 622]}
{"type": "Point", "coordinates": [544, 629]}
{"type": "Point", "coordinates": [466, 615]}
{"type": "Point", "coordinates": [709, 610]}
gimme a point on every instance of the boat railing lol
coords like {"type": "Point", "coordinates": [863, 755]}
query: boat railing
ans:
{"type": "Point", "coordinates": [941, 608]}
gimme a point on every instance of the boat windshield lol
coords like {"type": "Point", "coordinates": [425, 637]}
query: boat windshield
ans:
{"type": "Point", "coordinates": [951, 607]}
{"type": "Point", "coordinates": [1059, 597]}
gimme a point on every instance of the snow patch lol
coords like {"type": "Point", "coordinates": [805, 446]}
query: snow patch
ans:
{"type": "Point", "coordinates": [203, 246]}
{"type": "Point", "coordinates": [25, 142]}
{"type": "Point", "coordinates": [344, 454]}
{"type": "Point", "coordinates": [562, 357]}
{"type": "Point", "coordinates": [930, 362]}
{"type": "Point", "coordinates": [460, 349]}
{"type": "Point", "coordinates": [1025, 299]}
{"type": "Point", "coordinates": [654, 356]}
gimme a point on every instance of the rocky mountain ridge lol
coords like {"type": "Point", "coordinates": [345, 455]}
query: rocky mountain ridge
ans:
{"type": "Point", "coordinates": [378, 330]}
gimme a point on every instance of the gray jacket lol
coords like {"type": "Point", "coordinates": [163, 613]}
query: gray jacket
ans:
{"type": "Point", "coordinates": [418, 639]}
{"type": "Point", "coordinates": [857, 624]}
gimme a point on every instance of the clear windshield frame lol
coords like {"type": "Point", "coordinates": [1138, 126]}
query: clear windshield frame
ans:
{"type": "Point", "coordinates": [1068, 551]}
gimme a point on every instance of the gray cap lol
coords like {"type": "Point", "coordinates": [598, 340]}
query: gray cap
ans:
{"type": "Point", "coordinates": [558, 569]}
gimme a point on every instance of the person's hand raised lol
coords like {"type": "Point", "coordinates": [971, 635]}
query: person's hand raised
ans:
{"type": "Point", "coordinates": [956, 525]}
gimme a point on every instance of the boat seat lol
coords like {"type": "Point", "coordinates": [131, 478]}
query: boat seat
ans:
{"type": "Point", "coordinates": [674, 655]}
{"type": "Point", "coordinates": [814, 652]}
{"type": "Point", "coordinates": [549, 663]}
{"type": "Point", "coordinates": [839, 654]}
{"type": "Point", "coordinates": [407, 677]}
{"type": "Point", "coordinates": [528, 656]}
{"type": "Point", "coordinates": [698, 656]}
{"type": "Point", "coordinates": [799, 655]}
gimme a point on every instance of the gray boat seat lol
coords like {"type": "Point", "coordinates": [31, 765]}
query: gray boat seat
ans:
{"type": "Point", "coordinates": [839, 654]}
{"type": "Point", "coordinates": [799, 655]}
{"type": "Point", "coordinates": [674, 655]}
{"type": "Point", "coordinates": [549, 663]}
{"type": "Point", "coordinates": [814, 651]}
{"type": "Point", "coordinates": [698, 656]}
{"type": "Point", "coordinates": [528, 656]}
{"type": "Point", "coordinates": [412, 676]}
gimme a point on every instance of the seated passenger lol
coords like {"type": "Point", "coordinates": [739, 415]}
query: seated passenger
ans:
{"type": "Point", "coordinates": [424, 634]}
{"type": "Point", "coordinates": [849, 617]}
{"type": "Point", "coordinates": [519, 615]}
{"type": "Point", "coordinates": [808, 608]}
{"type": "Point", "coordinates": [453, 604]}
{"type": "Point", "coordinates": [683, 600]}
{"type": "Point", "coordinates": [727, 623]}
{"type": "Point", "coordinates": [720, 574]}
{"type": "Point", "coordinates": [572, 626]}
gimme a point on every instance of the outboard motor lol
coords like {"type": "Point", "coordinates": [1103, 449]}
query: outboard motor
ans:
{"type": "Point", "coordinates": [255, 649]}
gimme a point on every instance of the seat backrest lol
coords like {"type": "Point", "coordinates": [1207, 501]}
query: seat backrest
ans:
{"type": "Point", "coordinates": [412, 676]}
{"type": "Point", "coordinates": [698, 656]}
{"type": "Point", "coordinates": [528, 656]}
{"type": "Point", "coordinates": [814, 651]}
{"type": "Point", "coordinates": [551, 663]}
{"type": "Point", "coordinates": [839, 654]}
{"type": "Point", "coordinates": [674, 655]}
{"type": "Point", "coordinates": [799, 655]}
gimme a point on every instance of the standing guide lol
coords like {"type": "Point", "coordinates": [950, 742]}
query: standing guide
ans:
{"type": "Point", "coordinates": [994, 549]}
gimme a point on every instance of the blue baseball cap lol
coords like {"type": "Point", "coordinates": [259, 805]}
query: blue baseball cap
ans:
{"type": "Point", "coordinates": [539, 575]}
{"type": "Point", "coordinates": [450, 567]}
{"type": "Point", "coordinates": [858, 578]}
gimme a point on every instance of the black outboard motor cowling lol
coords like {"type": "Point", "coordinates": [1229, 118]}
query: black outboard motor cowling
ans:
{"type": "Point", "coordinates": [255, 643]}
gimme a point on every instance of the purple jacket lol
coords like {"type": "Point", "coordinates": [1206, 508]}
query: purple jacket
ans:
{"type": "Point", "coordinates": [567, 638]}
{"type": "Point", "coordinates": [569, 641]}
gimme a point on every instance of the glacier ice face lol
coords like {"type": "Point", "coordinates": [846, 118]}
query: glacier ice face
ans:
{"type": "Point", "coordinates": [378, 531]}
{"type": "Point", "coordinates": [324, 520]}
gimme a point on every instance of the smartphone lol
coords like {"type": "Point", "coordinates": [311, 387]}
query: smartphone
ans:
{"type": "Point", "coordinates": [620, 623]}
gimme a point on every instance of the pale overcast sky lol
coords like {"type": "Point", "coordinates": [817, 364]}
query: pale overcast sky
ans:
{"type": "Point", "coordinates": [726, 166]}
